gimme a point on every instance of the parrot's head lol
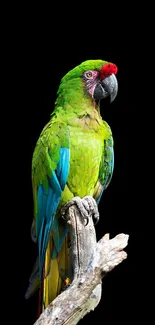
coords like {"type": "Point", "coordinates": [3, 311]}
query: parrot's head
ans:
{"type": "Point", "coordinates": [97, 77]}
{"type": "Point", "coordinates": [101, 82]}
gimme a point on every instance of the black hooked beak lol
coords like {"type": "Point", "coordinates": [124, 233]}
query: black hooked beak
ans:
{"type": "Point", "coordinates": [106, 87]}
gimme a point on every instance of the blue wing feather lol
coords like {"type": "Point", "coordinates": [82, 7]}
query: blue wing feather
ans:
{"type": "Point", "coordinates": [42, 202]}
{"type": "Point", "coordinates": [48, 202]}
{"type": "Point", "coordinates": [64, 153]}
{"type": "Point", "coordinates": [55, 184]}
{"type": "Point", "coordinates": [53, 197]}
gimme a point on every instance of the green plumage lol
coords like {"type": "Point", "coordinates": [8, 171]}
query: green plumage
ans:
{"type": "Point", "coordinates": [73, 157]}
{"type": "Point", "coordinates": [76, 120]}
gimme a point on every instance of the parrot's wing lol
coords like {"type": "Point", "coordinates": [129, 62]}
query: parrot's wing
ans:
{"type": "Point", "coordinates": [106, 168]}
{"type": "Point", "coordinates": [50, 170]}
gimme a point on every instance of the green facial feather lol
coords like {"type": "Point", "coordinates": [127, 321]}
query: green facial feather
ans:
{"type": "Point", "coordinates": [71, 92]}
{"type": "Point", "coordinates": [78, 71]}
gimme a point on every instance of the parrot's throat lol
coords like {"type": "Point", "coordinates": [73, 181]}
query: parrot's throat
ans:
{"type": "Point", "coordinates": [96, 105]}
{"type": "Point", "coordinates": [76, 102]}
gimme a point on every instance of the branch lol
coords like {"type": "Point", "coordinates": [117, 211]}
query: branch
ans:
{"type": "Point", "coordinates": [91, 261]}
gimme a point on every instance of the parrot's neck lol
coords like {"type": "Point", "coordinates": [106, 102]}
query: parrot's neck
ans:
{"type": "Point", "coordinates": [74, 101]}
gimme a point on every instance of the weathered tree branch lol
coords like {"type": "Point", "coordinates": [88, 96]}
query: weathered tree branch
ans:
{"type": "Point", "coordinates": [91, 261]}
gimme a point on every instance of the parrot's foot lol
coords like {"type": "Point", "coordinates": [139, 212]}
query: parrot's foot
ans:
{"type": "Point", "coordinates": [87, 206]}
{"type": "Point", "coordinates": [93, 208]}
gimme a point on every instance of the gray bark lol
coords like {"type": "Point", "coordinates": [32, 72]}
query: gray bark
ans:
{"type": "Point", "coordinates": [91, 261]}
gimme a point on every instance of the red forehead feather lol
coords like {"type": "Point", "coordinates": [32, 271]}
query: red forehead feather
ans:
{"type": "Point", "coordinates": [107, 70]}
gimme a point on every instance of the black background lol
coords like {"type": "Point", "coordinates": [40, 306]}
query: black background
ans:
{"type": "Point", "coordinates": [43, 47]}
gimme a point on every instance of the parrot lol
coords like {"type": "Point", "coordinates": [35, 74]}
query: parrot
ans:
{"type": "Point", "coordinates": [73, 160]}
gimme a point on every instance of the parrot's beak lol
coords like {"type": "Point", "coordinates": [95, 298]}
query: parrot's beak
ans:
{"type": "Point", "coordinates": [106, 87]}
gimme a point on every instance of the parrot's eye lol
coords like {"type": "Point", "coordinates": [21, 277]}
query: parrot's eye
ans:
{"type": "Point", "coordinates": [89, 74]}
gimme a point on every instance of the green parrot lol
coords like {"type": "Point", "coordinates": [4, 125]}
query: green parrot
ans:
{"type": "Point", "coordinates": [73, 159]}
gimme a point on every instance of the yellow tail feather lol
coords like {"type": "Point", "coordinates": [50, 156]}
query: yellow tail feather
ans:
{"type": "Point", "coordinates": [55, 272]}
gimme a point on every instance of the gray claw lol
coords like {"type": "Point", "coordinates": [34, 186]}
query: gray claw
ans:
{"type": "Point", "coordinates": [96, 219]}
{"type": "Point", "coordinates": [87, 206]}
{"type": "Point", "coordinates": [93, 208]}
{"type": "Point", "coordinates": [87, 220]}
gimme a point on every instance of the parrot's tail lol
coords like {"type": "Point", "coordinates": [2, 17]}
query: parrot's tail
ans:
{"type": "Point", "coordinates": [55, 274]}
